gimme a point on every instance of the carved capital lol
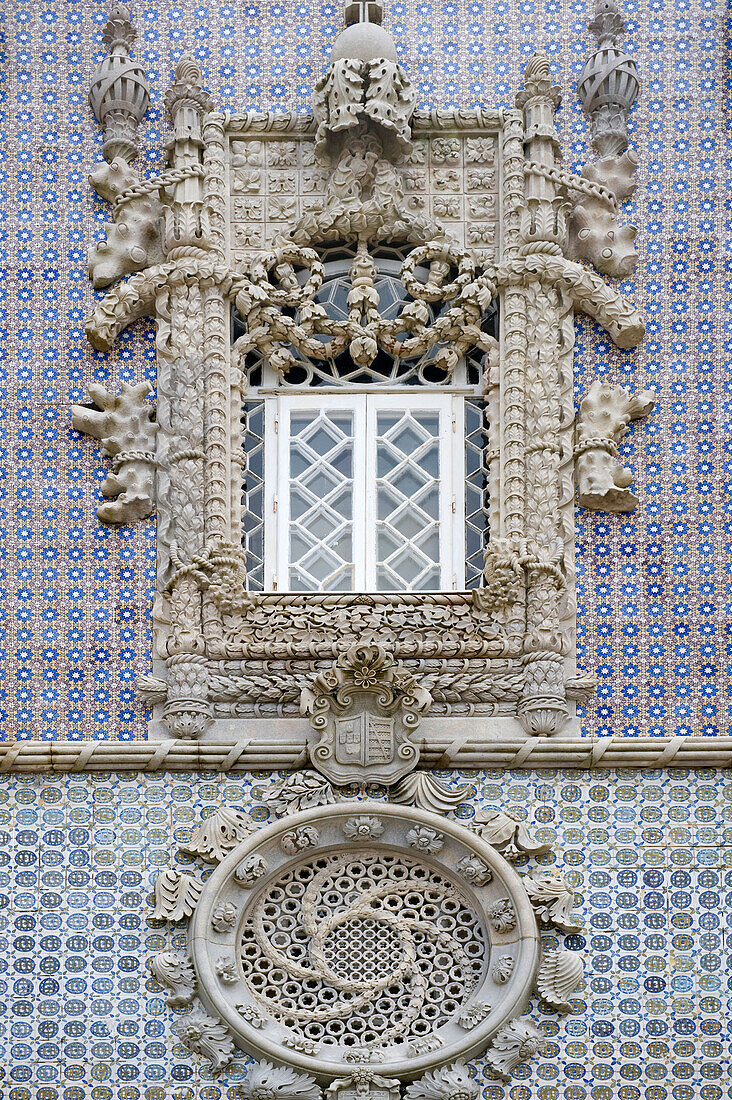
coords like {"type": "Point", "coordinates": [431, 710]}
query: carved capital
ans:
{"type": "Point", "coordinates": [187, 712]}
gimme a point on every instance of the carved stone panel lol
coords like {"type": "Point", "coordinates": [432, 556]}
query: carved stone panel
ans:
{"type": "Point", "coordinates": [324, 964]}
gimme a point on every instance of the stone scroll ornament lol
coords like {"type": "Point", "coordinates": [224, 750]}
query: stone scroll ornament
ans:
{"type": "Point", "coordinates": [241, 223]}
{"type": "Point", "coordinates": [356, 947]}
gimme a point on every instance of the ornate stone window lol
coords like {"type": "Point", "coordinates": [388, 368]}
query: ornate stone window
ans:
{"type": "Point", "coordinates": [385, 489]}
{"type": "Point", "coordinates": [364, 431]}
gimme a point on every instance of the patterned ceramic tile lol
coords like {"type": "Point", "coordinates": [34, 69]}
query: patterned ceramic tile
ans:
{"type": "Point", "coordinates": [82, 1019]}
{"type": "Point", "coordinates": [654, 590]}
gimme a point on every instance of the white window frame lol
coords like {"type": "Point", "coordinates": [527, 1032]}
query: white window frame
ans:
{"type": "Point", "coordinates": [364, 407]}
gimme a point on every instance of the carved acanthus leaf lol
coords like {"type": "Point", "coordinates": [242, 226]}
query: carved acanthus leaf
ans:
{"type": "Point", "coordinates": [176, 895]}
{"type": "Point", "coordinates": [560, 974]}
{"type": "Point", "coordinates": [604, 415]}
{"type": "Point", "coordinates": [552, 898]}
{"type": "Point", "coordinates": [151, 689]}
{"type": "Point", "coordinates": [215, 837]}
{"type": "Point", "coordinates": [507, 833]}
{"type": "Point", "coordinates": [125, 425]}
{"type": "Point", "coordinates": [448, 1083]}
{"type": "Point", "coordinates": [173, 970]}
{"type": "Point", "coordinates": [206, 1035]}
{"type": "Point", "coordinates": [515, 1043]}
{"type": "Point", "coordinates": [264, 1081]}
{"type": "Point", "coordinates": [353, 90]}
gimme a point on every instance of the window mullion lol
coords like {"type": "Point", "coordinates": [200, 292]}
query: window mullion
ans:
{"type": "Point", "coordinates": [364, 494]}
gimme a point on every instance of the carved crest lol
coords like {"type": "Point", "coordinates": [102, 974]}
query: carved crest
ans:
{"type": "Point", "coordinates": [364, 711]}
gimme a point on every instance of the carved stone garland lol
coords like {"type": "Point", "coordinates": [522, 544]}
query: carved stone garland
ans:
{"type": "Point", "coordinates": [357, 945]}
{"type": "Point", "coordinates": [369, 170]}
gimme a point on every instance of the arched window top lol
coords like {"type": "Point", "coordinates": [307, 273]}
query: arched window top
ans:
{"type": "Point", "coordinates": [385, 370]}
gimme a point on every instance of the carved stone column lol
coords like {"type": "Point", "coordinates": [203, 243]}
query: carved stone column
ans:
{"type": "Point", "coordinates": [543, 709]}
{"type": "Point", "coordinates": [186, 229]}
{"type": "Point", "coordinates": [181, 504]}
{"type": "Point", "coordinates": [544, 223]}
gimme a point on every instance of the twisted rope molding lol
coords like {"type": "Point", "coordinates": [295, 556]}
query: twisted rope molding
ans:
{"type": "Point", "coordinates": [249, 754]}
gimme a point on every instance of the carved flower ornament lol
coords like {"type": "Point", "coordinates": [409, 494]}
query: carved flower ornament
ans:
{"type": "Point", "coordinates": [304, 952]}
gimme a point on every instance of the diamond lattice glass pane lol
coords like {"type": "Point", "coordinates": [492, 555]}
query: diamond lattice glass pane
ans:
{"type": "Point", "coordinates": [408, 501]}
{"type": "Point", "coordinates": [252, 512]}
{"type": "Point", "coordinates": [321, 501]}
{"type": "Point", "coordinates": [476, 491]}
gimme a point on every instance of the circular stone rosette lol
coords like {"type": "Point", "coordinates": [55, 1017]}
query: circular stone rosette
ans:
{"type": "Point", "coordinates": [364, 932]}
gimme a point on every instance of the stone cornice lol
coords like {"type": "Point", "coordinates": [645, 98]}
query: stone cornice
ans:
{"type": "Point", "coordinates": [272, 754]}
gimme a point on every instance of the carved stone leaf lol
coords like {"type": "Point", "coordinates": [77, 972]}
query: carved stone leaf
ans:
{"type": "Point", "coordinates": [560, 974]}
{"type": "Point", "coordinates": [299, 791]}
{"type": "Point", "coordinates": [265, 1081]}
{"type": "Point", "coordinates": [423, 790]}
{"type": "Point", "coordinates": [250, 869]}
{"type": "Point", "coordinates": [507, 834]}
{"type": "Point", "coordinates": [215, 837]}
{"type": "Point", "coordinates": [502, 970]}
{"type": "Point", "coordinates": [448, 1083]}
{"type": "Point", "coordinates": [502, 915]}
{"type": "Point", "coordinates": [173, 970]}
{"type": "Point", "coordinates": [553, 899]}
{"type": "Point", "coordinates": [207, 1036]}
{"type": "Point", "coordinates": [515, 1043]}
{"type": "Point", "coordinates": [176, 895]}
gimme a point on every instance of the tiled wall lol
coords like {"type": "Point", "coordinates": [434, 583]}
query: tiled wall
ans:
{"type": "Point", "coordinates": [649, 855]}
{"type": "Point", "coordinates": [653, 587]}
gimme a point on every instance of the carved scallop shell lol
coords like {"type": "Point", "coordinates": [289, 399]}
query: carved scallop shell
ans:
{"type": "Point", "coordinates": [423, 790]}
{"type": "Point", "coordinates": [559, 976]}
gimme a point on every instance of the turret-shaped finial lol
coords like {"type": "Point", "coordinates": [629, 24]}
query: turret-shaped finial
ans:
{"type": "Point", "coordinates": [119, 94]}
{"type": "Point", "coordinates": [608, 84]}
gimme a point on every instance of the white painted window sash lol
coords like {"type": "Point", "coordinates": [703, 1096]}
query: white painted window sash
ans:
{"type": "Point", "coordinates": [364, 409]}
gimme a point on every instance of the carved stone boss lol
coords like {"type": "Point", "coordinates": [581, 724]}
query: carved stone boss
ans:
{"type": "Point", "coordinates": [240, 220]}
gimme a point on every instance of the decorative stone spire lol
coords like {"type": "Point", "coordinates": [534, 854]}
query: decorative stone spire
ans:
{"type": "Point", "coordinates": [608, 84]}
{"type": "Point", "coordinates": [543, 223]}
{"type": "Point", "coordinates": [187, 103]}
{"type": "Point", "coordinates": [119, 94]}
